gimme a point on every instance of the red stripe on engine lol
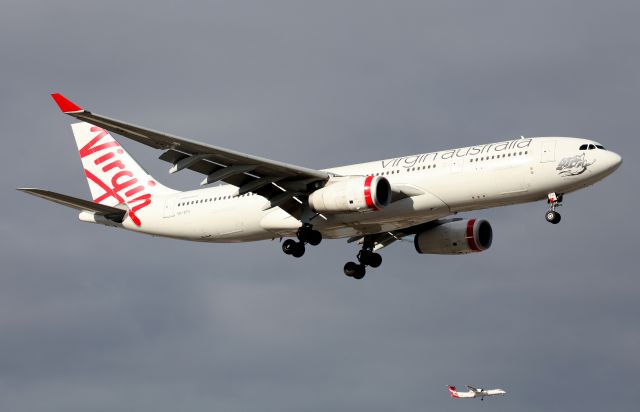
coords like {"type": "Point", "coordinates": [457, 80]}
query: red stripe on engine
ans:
{"type": "Point", "coordinates": [471, 240]}
{"type": "Point", "coordinates": [367, 193]}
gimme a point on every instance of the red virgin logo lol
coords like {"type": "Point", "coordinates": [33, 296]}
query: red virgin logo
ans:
{"type": "Point", "coordinates": [122, 185]}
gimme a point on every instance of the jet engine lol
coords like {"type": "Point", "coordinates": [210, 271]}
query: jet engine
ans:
{"type": "Point", "coordinates": [460, 236]}
{"type": "Point", "coordinates": [351, 194]}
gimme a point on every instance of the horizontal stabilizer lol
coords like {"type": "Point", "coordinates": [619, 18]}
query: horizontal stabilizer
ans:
{"type": "Point", "coordinates": [112, 213]}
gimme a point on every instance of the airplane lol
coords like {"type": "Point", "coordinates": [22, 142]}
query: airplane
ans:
{"type": "Point", "coordinates": [475, 392]}
{"type": "Point", "coordinates": [249, 198]}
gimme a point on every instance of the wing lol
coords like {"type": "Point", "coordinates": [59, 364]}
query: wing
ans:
{"type": "Point", "coordinates": [112, 213]}
{"type": "Point", "coordinates": [473, 389]}
{"type": "Point", "coordinates": [381, 240]}
{"type": "Point", "coordinates": [377, 241]}
{"type": "Point", "coordinates": [278, 182]}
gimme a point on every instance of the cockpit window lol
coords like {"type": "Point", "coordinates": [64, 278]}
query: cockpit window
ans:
{"type": "Point", "coordinates": [583, 147]}
{"type": "Point", "coordinates": [599, 146]}
{"type": "Point", "coordinates": [591, 147]}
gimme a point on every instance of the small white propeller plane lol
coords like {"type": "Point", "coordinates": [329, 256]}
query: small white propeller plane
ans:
{"type": "Point", "coordinates": [372, 204]}
{"type": "Point", "coordinates": [475, 392]}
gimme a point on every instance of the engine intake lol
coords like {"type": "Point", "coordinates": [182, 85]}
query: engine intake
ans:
{"type": "Point", "coordinates": [461, 236]}
{"type": "Point", "coordinates": [351, 194]}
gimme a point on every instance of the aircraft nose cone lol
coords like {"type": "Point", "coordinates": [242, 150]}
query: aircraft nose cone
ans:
{"type": "Point", "coordinates": [616, 160]}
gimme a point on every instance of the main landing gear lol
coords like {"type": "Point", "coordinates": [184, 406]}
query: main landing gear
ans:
{"type": "Point", "coordinates": [554, 201]}
{"type": "Point", "coordinates": [366, 257]}
{"type": "Point", "coordinates": [305, 234]}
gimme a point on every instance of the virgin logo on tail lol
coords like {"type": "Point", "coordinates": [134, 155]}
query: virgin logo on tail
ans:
{"type": "Point", "coordinates": [453, 392]}
{"type": "Point", "coordinates": [123, 186]}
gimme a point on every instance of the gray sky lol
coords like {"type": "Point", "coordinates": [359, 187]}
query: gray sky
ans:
{"type": "Point", "coordinates": [93, 319]}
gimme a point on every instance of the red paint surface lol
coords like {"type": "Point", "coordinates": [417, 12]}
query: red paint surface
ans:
{"type": "Point", "coordinates": [367, 193]}
{"type": "Point", "coordinates": [123, 181]}
{"type": "Point", "coordinates": [471, 240]}
{"type": "Point", "coordinates": [66, 105]}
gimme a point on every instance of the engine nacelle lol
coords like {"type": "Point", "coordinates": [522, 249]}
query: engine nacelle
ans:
{"type": "Point", "coordinates": [351, 194]}
{"type": "Point", "coordinates": [461, 236]}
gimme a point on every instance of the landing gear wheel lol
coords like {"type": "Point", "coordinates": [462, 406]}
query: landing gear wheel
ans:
{"type": "Point", "coordinates": [366, 257]}
{"type": "Point", "coordinates": [369, 258]}
{"type": "Point", "coordinates": [288, 246]}
{"type": "Point", "coordinates": [360, 272]}
{"type": "Point", "coordinates": [354, 270]}
{"type": "Point", "coordinates": [375, 260]}
{"type": "Point", "coordinates": [298, 250]}
{"type": "Point", "coordinates": [350, 269]}
{"type": "Point", "coordinates": [314, 238]}
{"type": "Point", "coordinates": [308, 235]}
{"type": "Point", "coordinates": [552, 217]}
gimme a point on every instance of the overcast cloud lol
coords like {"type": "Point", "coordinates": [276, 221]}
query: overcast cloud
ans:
{"type": "Point", "coordinates": [94, 319]}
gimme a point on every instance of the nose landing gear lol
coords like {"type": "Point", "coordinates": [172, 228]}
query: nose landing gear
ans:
{"type": "Point", "coordinates": [305, 234]}
{"type": "Point", "coordinates": [366, 257]}
{"type": "Point", "coordinates": [554, 201]}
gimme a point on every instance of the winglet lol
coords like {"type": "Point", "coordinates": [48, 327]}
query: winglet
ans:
{"type": "Point", "coordinates": [66, 105]}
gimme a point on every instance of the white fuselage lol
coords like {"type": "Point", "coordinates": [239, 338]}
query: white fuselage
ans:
{"type": "Point", "coordinates": [477, 393]}
{"type": "Point", "coordinates": [446, 182]}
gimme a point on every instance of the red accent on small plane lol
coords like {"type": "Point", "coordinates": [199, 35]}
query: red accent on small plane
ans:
{"type": "Point", "coordinates": [470, 238]}
{"type": "Point", "coordinates": [367, 193]}
{"type": "Point", "coordinates": [66, 105]}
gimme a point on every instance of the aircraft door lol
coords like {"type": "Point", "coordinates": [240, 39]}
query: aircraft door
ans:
{"type": "Point", "coordinates": [548, 151]}
{"type": "Point", "coordinates": [169, 207]}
